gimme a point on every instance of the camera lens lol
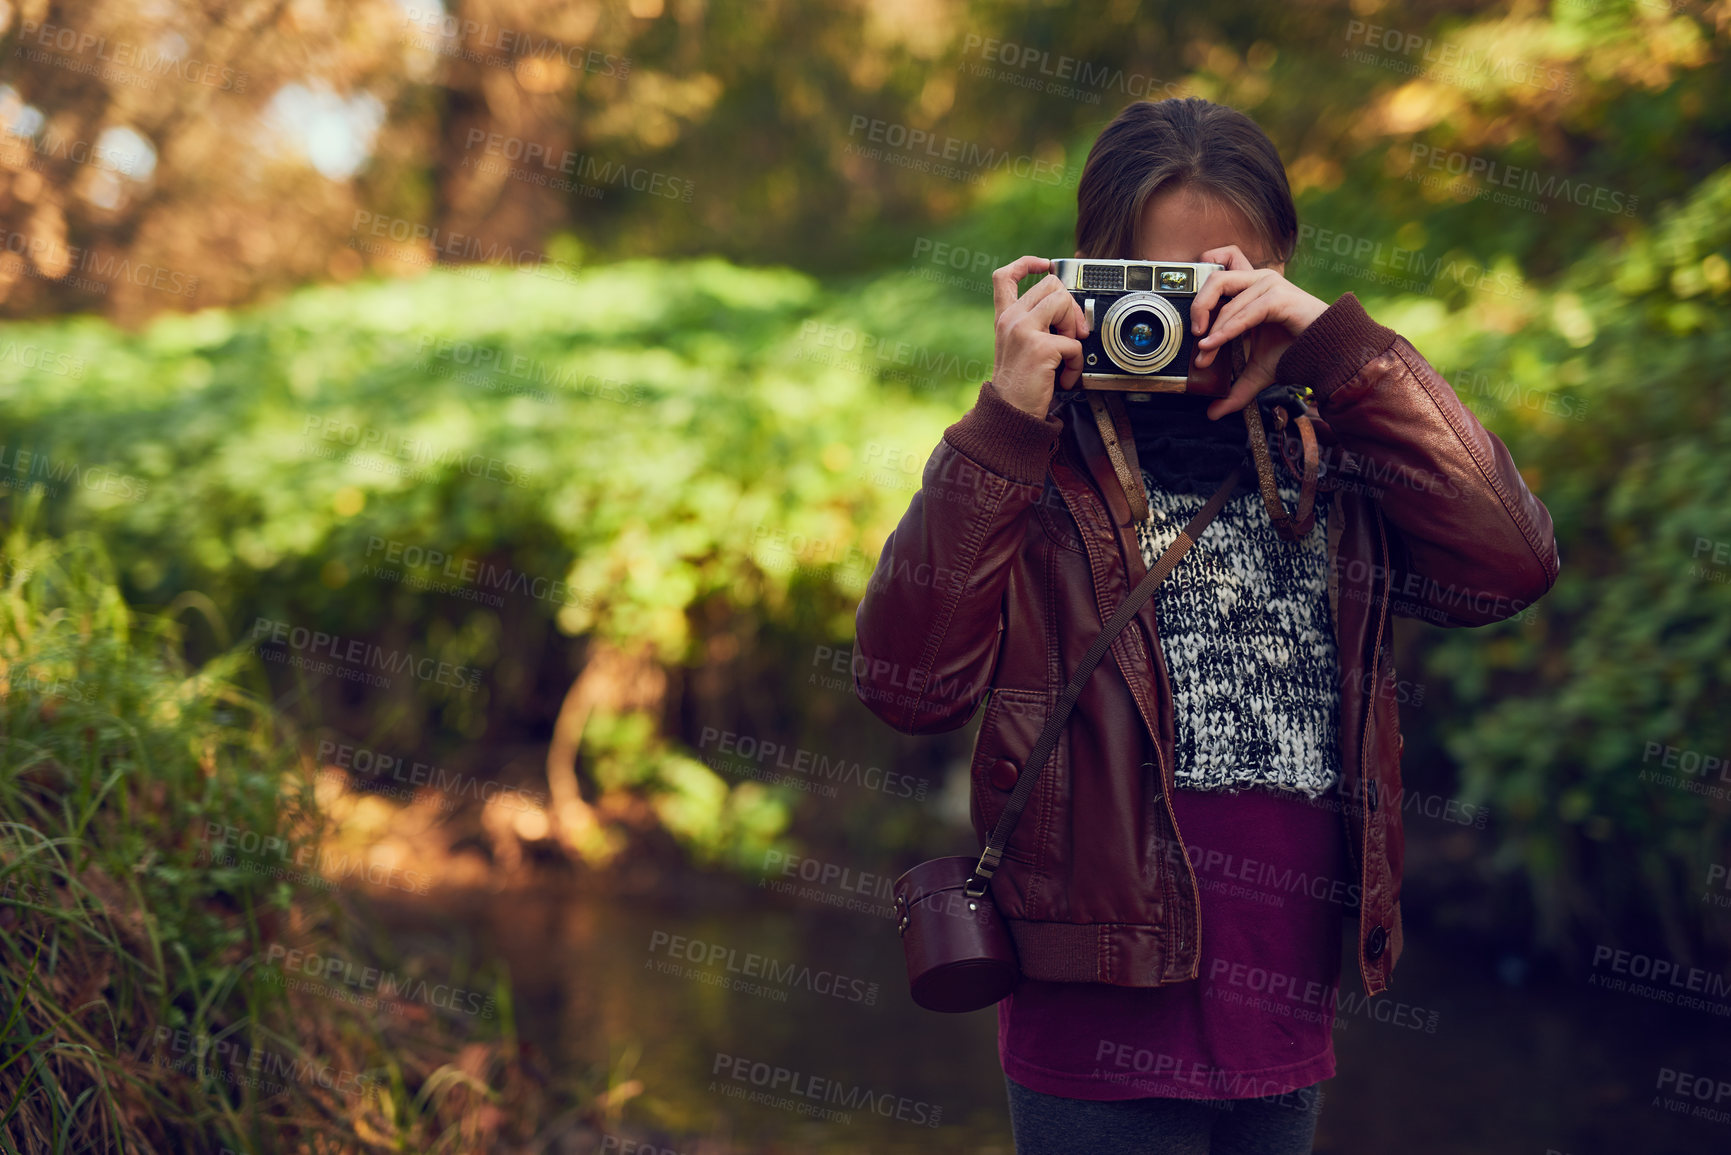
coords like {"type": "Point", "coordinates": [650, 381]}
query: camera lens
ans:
{"type": "Point", "coordinates": [1143, 333]}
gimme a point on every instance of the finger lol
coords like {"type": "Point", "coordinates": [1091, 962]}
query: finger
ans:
{"type": "Point", "coordinates": [1256, 377]}
{"type": "Point", "coordinates": [1024, 307]}
{"type": "Point", "coordinates": [1072, 363]}
{"type": "Point", "coordinates": [1071, 322]}
{"type": "Point", "coordinates": [1053, 307]}
{"type": "Point", "coordinates": [1243, 312]}
{"type": "Point", "coordinates": [1263, 294]}
{"type": "Point", "coordinates": [1218, 285]}
{"type": "Point", "coordinates": [1227, 324]}
{"type": "Point", "coordinates": [1004, 280]}
{"type": "Point", "coordinates": [1229, 255]}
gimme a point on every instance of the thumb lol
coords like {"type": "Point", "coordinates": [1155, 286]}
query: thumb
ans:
{"type": "Point", "coordinates": [1256, 377]}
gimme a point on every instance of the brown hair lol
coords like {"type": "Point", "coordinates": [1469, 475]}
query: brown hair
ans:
{"type": "Point", "coordinates": [1181, 142]}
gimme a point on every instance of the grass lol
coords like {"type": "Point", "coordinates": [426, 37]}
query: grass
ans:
{"type": "Point", "coordinates": [152, 822]}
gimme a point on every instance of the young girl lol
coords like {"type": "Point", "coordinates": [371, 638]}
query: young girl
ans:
{"type": "Point", "coordinates": [1178, 989]}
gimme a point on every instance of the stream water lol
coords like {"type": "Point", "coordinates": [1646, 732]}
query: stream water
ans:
{"type": "Point", "coordinates": [756, 1023]}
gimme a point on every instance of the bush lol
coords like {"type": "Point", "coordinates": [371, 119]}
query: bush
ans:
{"type": "Point", "coordinates": [1632, 649]}
{"type": "Point", "coordinates": [152, 822]}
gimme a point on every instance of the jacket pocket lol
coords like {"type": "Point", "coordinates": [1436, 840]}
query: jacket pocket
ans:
{"type": "Point", "coordinates": [1011, 726]}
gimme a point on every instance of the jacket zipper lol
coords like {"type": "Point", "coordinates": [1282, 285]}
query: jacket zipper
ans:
{"type": "Point", "coordinates": [1171, 816]}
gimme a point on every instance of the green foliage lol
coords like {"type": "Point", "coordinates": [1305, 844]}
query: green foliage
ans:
{"type": "Point", "coordinates": [721, 826]}
{"type": "Point", "coordinates": [693, 448]}
{"type": "Point", "coordinates": [116, 763]}
{"type": "Point", "coordinates": [269, 446]}
{"type": "Point", "coordinates": [1633, 646]}
{"type": "Point", "coordinates": [158, 836]}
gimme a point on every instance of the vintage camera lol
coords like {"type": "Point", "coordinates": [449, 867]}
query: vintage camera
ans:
{"type": "Point", "coordinates": [1139, 338]}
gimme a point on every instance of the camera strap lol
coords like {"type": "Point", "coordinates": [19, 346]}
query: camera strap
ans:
{"type": "Point", "coordinates": [1123, 454]}
{"type": "Point", "coordinates": [1109, 412]}
{"type": "Point", "coordinates": [1292, 526]}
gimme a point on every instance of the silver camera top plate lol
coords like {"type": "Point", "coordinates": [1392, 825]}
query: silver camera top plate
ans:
{"type": "Point", "coordinates": [1086, 275]}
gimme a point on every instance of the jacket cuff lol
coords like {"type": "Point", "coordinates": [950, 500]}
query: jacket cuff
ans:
{"type": "Point", "coordinates": [1008, 441]}
{"type": "Point", "coordinates": [1334, 348]}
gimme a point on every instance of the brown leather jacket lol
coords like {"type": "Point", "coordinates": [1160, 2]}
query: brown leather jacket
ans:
{"type": "Point", "coordinates": [1019, 545]}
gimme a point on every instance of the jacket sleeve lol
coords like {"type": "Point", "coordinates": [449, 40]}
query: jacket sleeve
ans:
{"type": "Point", "coordinates": [1469, 543]}
{"type": "Point", "coordinates": [927, 630]}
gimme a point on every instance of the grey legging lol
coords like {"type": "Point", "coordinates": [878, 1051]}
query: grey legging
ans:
{"type": "Point", "coordinates": [1272, 1125]}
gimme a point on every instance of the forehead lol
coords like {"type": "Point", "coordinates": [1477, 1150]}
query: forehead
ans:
{"type": "Point", "coordinates": [1181, 224]}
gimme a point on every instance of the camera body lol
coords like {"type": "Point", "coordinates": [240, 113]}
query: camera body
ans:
{"type": "Point", "coordinates": [1139, 338]}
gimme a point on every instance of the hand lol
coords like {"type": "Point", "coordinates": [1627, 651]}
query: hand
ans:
{"type": "Point", "coordinates": [1263, 305]}
{"type": "Point", "coordinates": [1035, 334]}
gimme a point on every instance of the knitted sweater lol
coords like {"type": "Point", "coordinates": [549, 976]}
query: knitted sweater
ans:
{"type": "Point", "coordinates": [1245, 625]}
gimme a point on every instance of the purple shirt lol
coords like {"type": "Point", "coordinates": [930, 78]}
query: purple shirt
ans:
{"type": "Point", "coordinates": [1259, 1017]}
